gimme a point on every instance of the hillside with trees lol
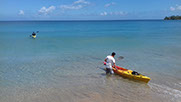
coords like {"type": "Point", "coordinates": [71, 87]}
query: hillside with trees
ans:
{"type": "Point", "coordinates": [173, 18]}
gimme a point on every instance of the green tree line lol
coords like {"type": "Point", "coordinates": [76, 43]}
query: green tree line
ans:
{"type": "Point", "coordinates": [173, 18]}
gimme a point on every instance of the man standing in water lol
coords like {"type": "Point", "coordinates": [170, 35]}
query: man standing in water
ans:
{"type": "Point", "coordinates": [110, 62]}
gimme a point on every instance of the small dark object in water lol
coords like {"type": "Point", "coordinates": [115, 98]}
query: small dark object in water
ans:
{"type": "Point", "coordinates": [135, 73]}
{"type": "Point", "coordinates": [120, 57]}
{"type": "Point", "coordinates": [33, 33]}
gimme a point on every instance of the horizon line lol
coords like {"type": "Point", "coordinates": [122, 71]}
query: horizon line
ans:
{"type": "Point", "coordinates": [87, 20]}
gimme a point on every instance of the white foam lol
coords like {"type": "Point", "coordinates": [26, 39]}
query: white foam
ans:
{"type": "Point", "coordinates": [165, 90]}
{"type": "Point", "coordinates": [180, 83]}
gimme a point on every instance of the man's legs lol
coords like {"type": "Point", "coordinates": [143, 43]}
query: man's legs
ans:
{"type": "Point", "coordinates": [109, 71]}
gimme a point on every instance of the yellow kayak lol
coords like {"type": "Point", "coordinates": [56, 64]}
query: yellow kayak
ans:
{"type": "Point", "coordinates": [34, 36]}
{"type": "Point", "coordinates": [131, 74]}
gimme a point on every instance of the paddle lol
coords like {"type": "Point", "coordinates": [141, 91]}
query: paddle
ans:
{"type": "Point", "coordinates": [120, 57]}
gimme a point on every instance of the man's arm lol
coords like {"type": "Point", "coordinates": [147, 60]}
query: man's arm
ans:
{"type": "Point", "coordinates": [114, 65]}
{"type": "Point", "coordinates": [105, 60]}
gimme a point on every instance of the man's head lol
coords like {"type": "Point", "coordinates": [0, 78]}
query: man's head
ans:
{"type": "Point", "coordinates": [113, 54]}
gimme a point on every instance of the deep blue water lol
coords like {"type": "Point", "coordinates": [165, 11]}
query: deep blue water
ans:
{"type": "Point", "coordinates": [65, 52]}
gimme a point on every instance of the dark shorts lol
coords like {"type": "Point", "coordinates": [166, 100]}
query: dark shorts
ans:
{"type": "Point", "coordinates": [109, 71]}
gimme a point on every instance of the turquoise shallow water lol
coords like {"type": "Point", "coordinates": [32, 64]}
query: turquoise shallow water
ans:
{"type": "Point", "coordinates": [64, 62]}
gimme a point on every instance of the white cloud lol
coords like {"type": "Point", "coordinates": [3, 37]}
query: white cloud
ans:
{"type": "Point", "coordinates": [118, 13]}
{"type": "Point", "coordinates": [103, 13]}
{"type": "Point", "coordinates": [45, 10]}
{"type": "Point", "coordinates": [172, 8]}
{"type": "Point", "coordinates": [81, 2]}
{"type": "Point", "coordinates": [75, 5]}
{"type": "Point", "coordinates": [177, 7]}
{"type": "Point", "coordinates": [110, 4]}
{"type": "Point", "coordinates": [21, 12]}
{"type": "Point", "coordinates": [72, 7]}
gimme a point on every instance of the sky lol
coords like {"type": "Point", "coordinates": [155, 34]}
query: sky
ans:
{"type": "Point", "coordinates": [88, 9]}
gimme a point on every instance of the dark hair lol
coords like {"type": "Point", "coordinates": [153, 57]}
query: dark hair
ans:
{"type": "Point", "coordinates": [113, 53]}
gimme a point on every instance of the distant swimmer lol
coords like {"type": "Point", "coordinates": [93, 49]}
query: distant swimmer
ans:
{"type": "Point", "coordinates": [110, 62]}
{"type": "Point", "coordinates": [33, 35]}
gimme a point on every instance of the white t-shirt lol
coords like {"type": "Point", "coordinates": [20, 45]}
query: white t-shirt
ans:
{"type": "Point", "coordinates": [110, 61]}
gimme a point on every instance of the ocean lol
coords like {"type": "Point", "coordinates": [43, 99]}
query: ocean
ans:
{"type": "Point", "coordinates": [64, 63]}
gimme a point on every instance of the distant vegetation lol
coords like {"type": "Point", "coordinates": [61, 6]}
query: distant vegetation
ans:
{"type": "Point", "coordinates": [173, 18]}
